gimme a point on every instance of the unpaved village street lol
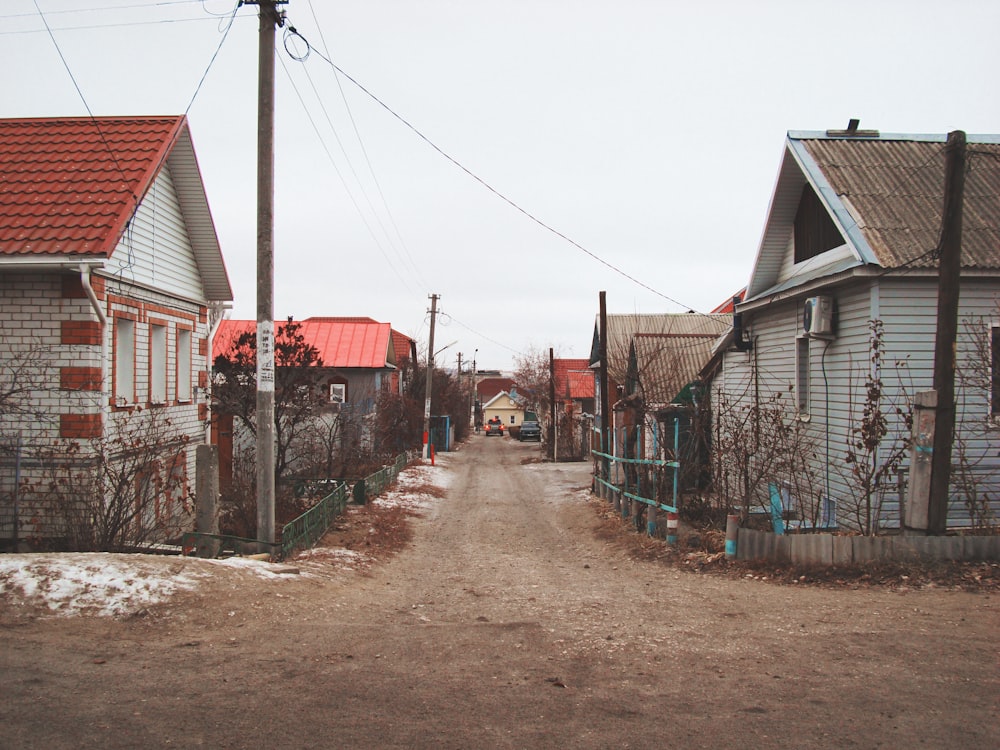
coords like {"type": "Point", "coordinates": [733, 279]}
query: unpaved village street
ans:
{"type": "Point", "coordinates": [509, 623]}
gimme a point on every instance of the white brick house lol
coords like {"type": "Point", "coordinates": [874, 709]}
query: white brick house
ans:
{"type": "Point", "coordinates": [111, 280]}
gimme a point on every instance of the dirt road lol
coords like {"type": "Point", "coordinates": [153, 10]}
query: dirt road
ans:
{"type": "Point", "coordinates": [509, 623]}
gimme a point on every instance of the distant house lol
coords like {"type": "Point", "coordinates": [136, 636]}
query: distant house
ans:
{"type": "Point", "coordinates": [652, 357]}
{"type": "Point", "coordinates": [488, 387]}
{"type": "Point", "coordinates": [359, 362]}
{"type": "Point", "coordinates": [111, 283]}
{"type": "Point", "coordinates": [574, 386]}
{"type": "Point", "coordinates": [838, 325]}
{"type": "Point", "coordinates": [507, 407]}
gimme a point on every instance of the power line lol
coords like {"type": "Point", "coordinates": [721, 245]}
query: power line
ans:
{"type": "Point", "coordinates": [350, 194]}
{"type": "Point", "coordinates": [364, 151]}
{"type": "Point", "coordinates": [485, 184]}
{"type": "Point", "coordinates": [413, 269]}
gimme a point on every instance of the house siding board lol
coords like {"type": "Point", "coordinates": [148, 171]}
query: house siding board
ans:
{"type": "Point", "coordinates": [156, 251]}
{"type": "Point", "coordinates": [907, 309]}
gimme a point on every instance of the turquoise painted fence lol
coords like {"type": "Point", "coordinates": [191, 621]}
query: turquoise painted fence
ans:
{"type": "Point", "coordinates": [640, 479]}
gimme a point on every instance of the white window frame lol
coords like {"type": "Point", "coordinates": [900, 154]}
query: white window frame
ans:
{"type": "Point", "coordinates": [124, 361]}
{"type": "Point", "coordinates": [184, 385]}
{"type": "Point", "coordinates": [338, 393]}
{"type": "Point", "coordinates": [157, 363]}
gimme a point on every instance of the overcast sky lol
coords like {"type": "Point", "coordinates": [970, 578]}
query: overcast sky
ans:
{"type": "Point", "coordinates": [647, 133]}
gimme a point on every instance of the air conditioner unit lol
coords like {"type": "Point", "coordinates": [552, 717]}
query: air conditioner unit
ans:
{"type": "Point", "coordinates": [817, 316]}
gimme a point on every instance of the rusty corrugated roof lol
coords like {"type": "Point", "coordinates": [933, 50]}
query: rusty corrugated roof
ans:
{"type": "Point", "coordinates": [622, 329]}
{"type": "Point", "coordinates": [667, 363]}
{"type": "Point", "coordinates": [894, 189]}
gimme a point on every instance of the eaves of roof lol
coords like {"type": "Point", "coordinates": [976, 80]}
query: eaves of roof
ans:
{"type": "Point", "coordinates": [70, 186]}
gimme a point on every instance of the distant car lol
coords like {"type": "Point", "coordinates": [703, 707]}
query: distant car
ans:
{"type": "Point", "coordinates": [494, 427]}
{"type": "Point", "coordinates": [530, 430]}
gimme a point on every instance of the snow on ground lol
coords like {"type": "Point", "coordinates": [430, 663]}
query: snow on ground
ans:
{"type": "Point", "coordinates": [108, 585]}
{"type": "Point", "coordinates": [411, 488]}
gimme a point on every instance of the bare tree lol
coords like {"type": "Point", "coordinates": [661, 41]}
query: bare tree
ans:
{"type": "Point", "coordinates": [875, 449]}
{"type": "Point", "coordinates": [124, 490]}
{"type": "Point", "coordinates": [298, 399]}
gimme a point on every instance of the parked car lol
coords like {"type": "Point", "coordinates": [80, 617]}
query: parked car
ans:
{"type": "Point", "coordinates": [530, 430]}
{"type": "Point", "coordinates": [494, 427]}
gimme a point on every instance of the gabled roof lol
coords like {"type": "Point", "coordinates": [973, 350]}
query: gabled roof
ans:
{"type": "Point", "coordinates": [70, 186]}
{"type": "Point", "coordinates": [487, 388]}
{"type": "Point", "coordinates": [404, 347]}
{"type": "Point", "coordinates": [501, 394]}
{"type": "Point", "coordinates": [573, 379]}
{"type": "Point", "coordinates": [885, 194]}
{"type": "Point", "coordinates": [622, 328]}
{"type": "Point", "coordinates": [664, 364]}
{"type": "Point", "coordinates": [342, 342]}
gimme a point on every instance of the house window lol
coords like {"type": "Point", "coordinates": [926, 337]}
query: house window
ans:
{"type": "Point", "coordinates": [803, 376]}
{"type": "Point", "coordinates": [157, 364]}
{"type": "Point", "coordinates": [183, 364]}
{"type": "Point", "coordinates": [338, 393]}
{"type": "Point", "coordinates": [815, 231]}
{"type": "Point", "coordinates": [124, 361]}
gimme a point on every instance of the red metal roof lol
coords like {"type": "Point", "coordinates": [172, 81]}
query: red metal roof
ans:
{"type": "Point", "coordinates": [342, 342]}
{"type": "Point", "coordinates": [574, 378]}
{"type": "Point", "coordinates": [69, 186]}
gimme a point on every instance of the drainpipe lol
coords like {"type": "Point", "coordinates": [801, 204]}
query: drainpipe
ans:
{"type": "Point", "coordinates": [216, 314]}
{"type": "Point", "coordinates": [102, 318]}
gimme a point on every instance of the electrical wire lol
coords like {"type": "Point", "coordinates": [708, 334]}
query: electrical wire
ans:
{"type": "Point", "coordinates": [350, 194]}
{"type": "Point", "coordinates": [487, 185]}
{"type": "Point", "coordinates": [413, 267]}
{"type": "Point", "coordinates": [364, 151]}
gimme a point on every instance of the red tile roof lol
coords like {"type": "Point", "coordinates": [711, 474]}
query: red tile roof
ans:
{"type": "Point", "coordinates": [342, 342]}
{"type": "Point", "coordinates": [574, 378]}
{"type": "Point", "coordinates": [69, 186]}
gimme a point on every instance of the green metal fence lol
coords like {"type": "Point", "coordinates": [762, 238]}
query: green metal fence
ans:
{"type": "Point", "coordinates": [376, 484]}
{"type": "Point", "coordinates": [311, 525]}
{"type": "Point", "coordinates": [307, 529]}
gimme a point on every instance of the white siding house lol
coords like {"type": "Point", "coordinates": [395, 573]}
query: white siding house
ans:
{"type": "Point", "coordinates": [853, 225]}
{"type": "Point", "coordinates": [111, 280]}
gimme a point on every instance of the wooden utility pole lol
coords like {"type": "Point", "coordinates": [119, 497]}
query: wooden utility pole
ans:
{"type": "Point", "coordinates": [605, 402]}
{"type": "Point", "coordinates": [429, 383]}
{"type": "Point", "coordinates": [552, 405]}
{"type": "Point", "coordinates": [949, 270]}
{"type": "Point", "coordinates": [269, 20]}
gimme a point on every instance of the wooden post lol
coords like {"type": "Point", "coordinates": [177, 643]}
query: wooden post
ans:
{"type": "Point", "coordinates": [918, 488]}
{"type": "Point", "coordinates": [207, 498]}
{"type": "Point", "coordinates": [605, 407]}
{"type": "Point", "coordinates": [949, 269]}
{"type": "Point", "coordinates": [552, 405]}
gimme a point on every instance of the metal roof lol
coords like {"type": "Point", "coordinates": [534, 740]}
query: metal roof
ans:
{"type": "Point", "coordinates": [573, 378]}
{"type": "Point", "coordinates": [342, 343]}
{"type": "Point", "coordinates": [69, 187]}
{"type": "Point", "coordinates": [622, 328]}
{"type": "Point", "coordinates": [886, 195]}
{"type": "Point", "coordinates": [666, 363]}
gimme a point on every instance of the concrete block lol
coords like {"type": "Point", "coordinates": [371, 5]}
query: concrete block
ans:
{"type": "Point", "coordinates": [982, 547]}
{"type": "Point", "coordinates": [871, 548]}
{"type": "Point", "coordinates": [842, 550]}
{"type": "Point", "coordinates": [812, 549]}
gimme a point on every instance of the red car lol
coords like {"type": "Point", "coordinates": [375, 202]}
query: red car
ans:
{"type": "Point", "coordinates": [494, 427]}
